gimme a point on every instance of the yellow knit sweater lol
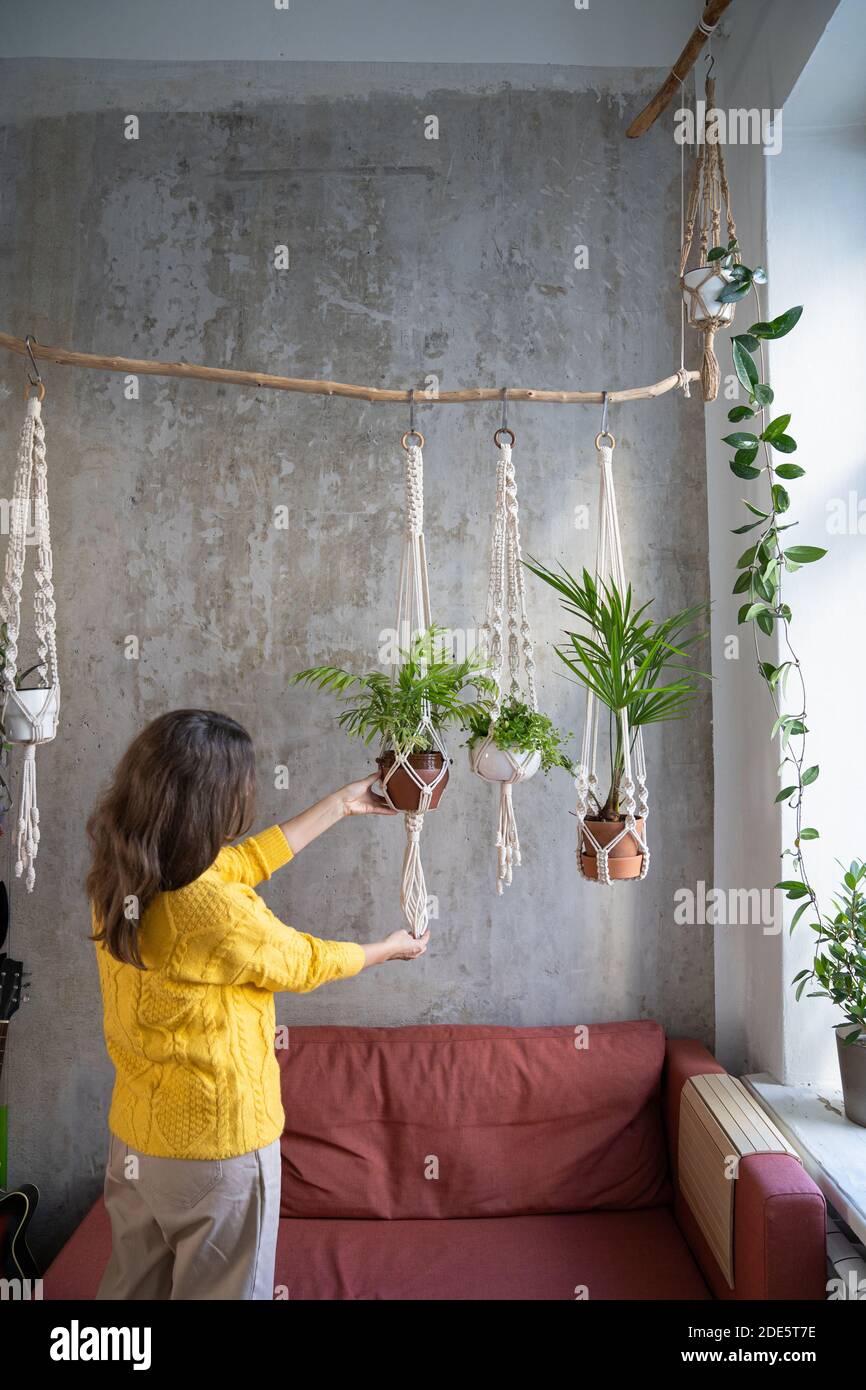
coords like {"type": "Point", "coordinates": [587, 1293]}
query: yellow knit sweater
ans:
{"type": "Point", "coordinates": [192, 1036]}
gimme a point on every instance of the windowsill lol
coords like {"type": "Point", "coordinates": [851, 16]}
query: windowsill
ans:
{"type": "Point", "coordinates": [833, 1148]}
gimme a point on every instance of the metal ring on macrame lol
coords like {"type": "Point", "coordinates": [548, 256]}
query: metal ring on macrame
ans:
{"type": "Point", "coordinates": [609, 565]}
{"type": "Point", "coordinates": [30, 716]}
{"type": "Point", "coordinates": [506, 638]}
{"type": "Point", "coordinates": [410, 435]}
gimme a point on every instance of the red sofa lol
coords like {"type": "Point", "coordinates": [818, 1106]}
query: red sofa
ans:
{"type": "Point", "coordinates": [503, 1163]}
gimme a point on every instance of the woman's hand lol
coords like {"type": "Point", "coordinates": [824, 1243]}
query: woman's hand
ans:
{"type": "Point", "coordinates": [400, 945]}
{"type": "Point", "coordinates": [357, 799]}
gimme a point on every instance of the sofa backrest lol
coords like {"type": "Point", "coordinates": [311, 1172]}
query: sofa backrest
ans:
{"type": "Point", "coordinates": [407, 1123]}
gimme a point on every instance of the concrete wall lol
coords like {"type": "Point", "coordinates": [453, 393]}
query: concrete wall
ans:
{"type": "Point", "coordinates": [409, 257]}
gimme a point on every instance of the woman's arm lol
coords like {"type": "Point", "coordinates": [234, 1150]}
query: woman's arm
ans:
{"type": "Point", "coordinates": [356, 799]}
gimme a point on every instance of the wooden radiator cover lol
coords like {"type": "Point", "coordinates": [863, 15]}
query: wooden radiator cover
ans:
{"type": "Point", "coordinates": [720, 1123]}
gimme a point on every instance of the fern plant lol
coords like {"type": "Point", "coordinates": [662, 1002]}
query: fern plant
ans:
{"type": "Point", "coordinates": [628, 661]}
{"type": "Point", "coordinates": [390, 708]}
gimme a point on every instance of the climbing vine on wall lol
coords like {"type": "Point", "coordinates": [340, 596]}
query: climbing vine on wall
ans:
{"type": "Point", "coordinates": [763, 451]}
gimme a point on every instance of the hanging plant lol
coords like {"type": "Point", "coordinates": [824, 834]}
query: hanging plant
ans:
{"type": "Point", "coordinates": [712, 287]}
{"type": "Point", "coordinates": [513, 741]}
{"type": "Point", "coordinates": [640, 672]}
{"type": "Point", "coordinates": [531, 738]}
{"type": "Point", "coordinates": [392, 711]}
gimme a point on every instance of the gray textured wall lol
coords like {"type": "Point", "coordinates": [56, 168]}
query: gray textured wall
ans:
{"type": "Point", "coordinates": [409, 256]}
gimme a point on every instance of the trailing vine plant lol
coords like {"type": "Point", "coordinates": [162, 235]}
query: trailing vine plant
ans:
{"type": "Point", "coordinates": [769, 558]}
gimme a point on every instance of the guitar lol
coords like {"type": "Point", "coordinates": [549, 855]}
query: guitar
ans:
{"type": "Point", "coordinates": [17, 1206]}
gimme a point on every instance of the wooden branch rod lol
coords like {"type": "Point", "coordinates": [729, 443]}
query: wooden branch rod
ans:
{"type": "Point", "coordinates": [684, 64]}
{"type": "Point", "coordinates": [191, 371]}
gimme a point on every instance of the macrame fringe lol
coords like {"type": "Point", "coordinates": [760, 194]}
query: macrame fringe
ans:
{"type": "Point", "coordinates": [710, 374]}
{"type": "Point", "coordinates": [413, 888]}
{"type": "Point", "coordinates": [507, 843]}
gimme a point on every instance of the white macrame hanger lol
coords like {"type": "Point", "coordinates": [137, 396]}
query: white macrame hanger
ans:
{"type": "Point", "coordinates": [609, 565]}
{"type": "Point", "coordinates": [30, 716]}
{"type": "Point", "coordinates": [506, 606]}
{"type": "Point", "coordinates": [413, 615]}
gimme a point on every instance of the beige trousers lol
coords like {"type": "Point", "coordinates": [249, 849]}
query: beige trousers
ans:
{"type": "Point", "coordinates": [191, 1228]}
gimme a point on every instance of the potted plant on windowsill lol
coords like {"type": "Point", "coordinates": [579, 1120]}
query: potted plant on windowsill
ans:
{"type": "Point", "coordinates": [630, 663]}
{"type": "Point", "coordinates": [410, 711]}
{"type": "Point", "coordinates": [521, 742]}
{"type": "Point", "coordinates": [839, 971]}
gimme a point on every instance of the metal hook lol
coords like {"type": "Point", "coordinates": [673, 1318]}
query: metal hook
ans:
{"type": "Point", "coordinates": [504, 425]}
{"type": "Point", "coordinates": [711, 59]}
{"type": "Point", "coordinates": [412, 433]}
{"type": "Point", "coordinates": [27, 341]}
{"type": "Point", "coordinates": [412, 410]}
{"type": "Point", "coordinates": [604, 400]}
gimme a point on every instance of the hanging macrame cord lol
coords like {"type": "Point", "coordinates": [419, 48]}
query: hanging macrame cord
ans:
{"type": "Point", "coordinates": [701, 286]}
{"type": "Point", "coordinates": [610, 567]}
{"type": "Point", "coordinates": [506, 607]}
{"type": "Point", "coordinates": [30, 715]}
{"type": "Point", "coordinates": [413, 617]}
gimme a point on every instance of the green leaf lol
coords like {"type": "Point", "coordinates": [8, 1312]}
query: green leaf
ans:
{"type": "Point", "coordinates": [804, 554]}
{"type": "Point", "coordinates": [765, 623]}
{"type": "Point", "coordinates": [784, 443]}
{"type": "Point", "coordinates": [745, 368]}
{"type": "Point", "coordinates": [742, 439]}
{"type": "Point", "coordinates": [738, 289]}
{"type": "Point", "coordinates": [747, 557]}
{"type": "Point", "coordinates": [793, 888]}
{"type": "Point", "coordinates": [753, 610]}
{"type": "Point", "coordinates": [750, 343]}
{"type": "Point", "coordinates": [778, 327]}
{"type": "Point", "coordinates": [741, 530]}
{"type": "Point", "coordinates": [741, 412]}
{"type": "Point", "coordinates": [743, 582]}
{"type": "Point", "coordinates": [743, 470]}
{"type": "Point", "coordinates": [776, 427]}
{"type": "Point", "coordinates": [759, 275]}
{"type": "Point", "coordinates": [717, 253]}
{"type": "Point", "coordinates": [781, 500]}
{"type": "Point", "coordinates": [810, 775]}
{"type": "Point", "coordinates": [789, 470]}
{"type": "Point", "coordinates": [756, 511]}
{"type": "Point", "coordinates": [808, 833]}
{"type": "Point", "coordinates": [804, 907]}
{"type": "Point", "coordinates": [763, 394]}
{"type": "Point", "coordinates": [785, 793]}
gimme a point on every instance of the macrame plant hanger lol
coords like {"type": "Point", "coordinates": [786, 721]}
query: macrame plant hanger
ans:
{"type": "Point", "coordinates": [413, 615]}
{"type": "Point", "coordinates": [609, 566]}
{"type": "Point", "coordinates": [701, 286]}
{"type": "Point", "coordinates": [506, 605]}
{"type": "Point", "coordinates": [30, 715]}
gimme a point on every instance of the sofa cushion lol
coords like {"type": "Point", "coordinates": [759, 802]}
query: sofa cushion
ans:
{"type": "Point", "coordinates": [610, 1255]}
{"type": "Point", "coordinates": [442, 1122]}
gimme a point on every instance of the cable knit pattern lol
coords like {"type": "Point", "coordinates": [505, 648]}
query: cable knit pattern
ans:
{"type": "Point", "coordinates": [192, 1036]}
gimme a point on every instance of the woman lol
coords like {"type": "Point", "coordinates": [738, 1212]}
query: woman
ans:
{"type": "Point", "coordinates": [189, 961]}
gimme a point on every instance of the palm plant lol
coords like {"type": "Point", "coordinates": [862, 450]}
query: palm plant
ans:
{"type": "Point", "coordinates": [631, 663]}
{"type": "Point", "coordinates": [428, 681]}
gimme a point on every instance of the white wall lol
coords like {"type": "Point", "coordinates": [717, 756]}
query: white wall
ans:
{"type": "Point", "coordinates": [816, 219]}
{"type": "Point", "coordinates": [759, 1027]}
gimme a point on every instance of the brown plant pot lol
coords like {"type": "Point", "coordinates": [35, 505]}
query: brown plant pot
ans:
{"type": "Point", "coordinates": [625, 859]}
{"type": "Point", "coordinates": [403, 791]}
{"type": "Point", "coordinates": [852, 1065]}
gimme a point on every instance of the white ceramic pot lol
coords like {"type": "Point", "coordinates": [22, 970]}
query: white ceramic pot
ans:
{"type": "Point", "coordinates": [708, 305]}
{"type": "Point", "coordinates": [495, 765]}
{"type": "Point", "coordinates": [43, 708]}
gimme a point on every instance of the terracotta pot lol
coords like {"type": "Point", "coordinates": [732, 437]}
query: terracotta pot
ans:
{"type": "Point", "coordinates": [625, 859]}
{"type": "Point", "coordinates": [403, 791]}
{"type": "Point", "coordinates": [852, 1065]}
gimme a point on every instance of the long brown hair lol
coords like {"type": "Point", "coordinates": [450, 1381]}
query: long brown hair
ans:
{"type": "Point", "coordinates": [183, 788]}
